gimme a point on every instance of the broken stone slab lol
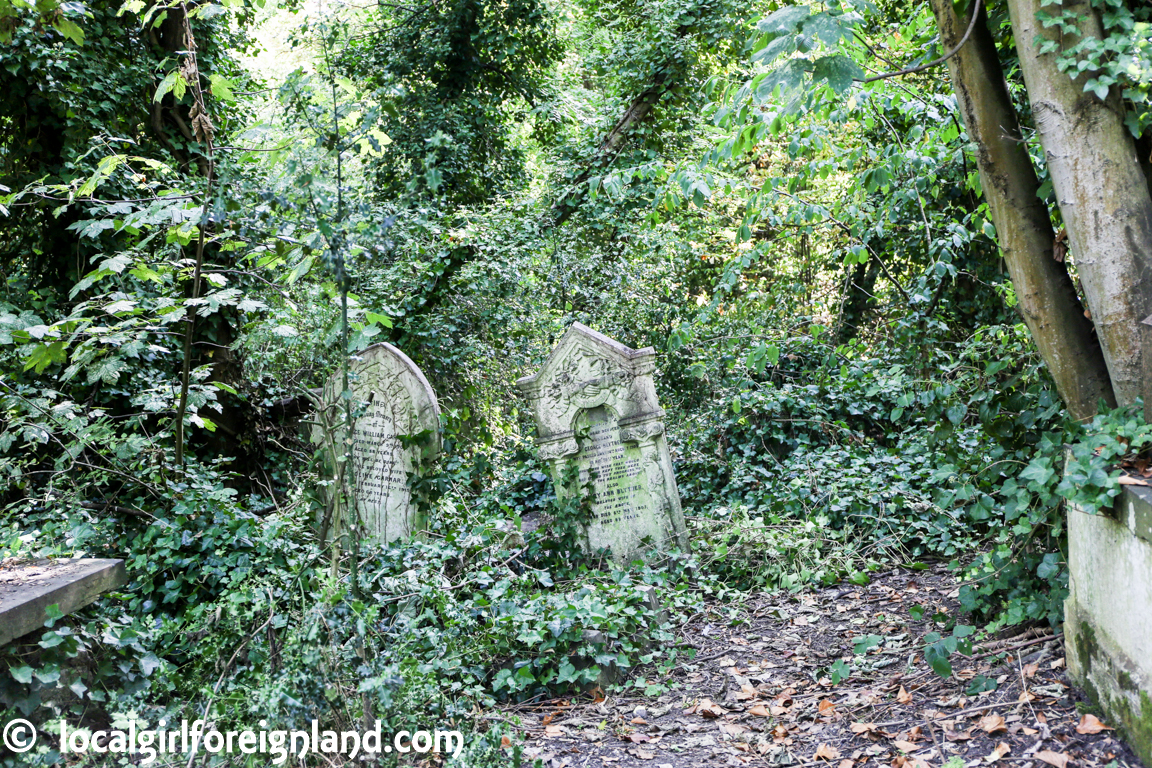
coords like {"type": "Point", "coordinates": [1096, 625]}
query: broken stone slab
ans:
{"type": "Point", "coordinates": [610, 672]}
{"type": "Point", "coordinates": [27, 589]}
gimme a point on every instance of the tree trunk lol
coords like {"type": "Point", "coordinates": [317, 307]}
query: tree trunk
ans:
{"type": "Point", "coordinates": [1044, 290]}
{"type": "Point", "coordinates": [1101, 189]}
{"type": "Point", "coordinates": [637, 112]}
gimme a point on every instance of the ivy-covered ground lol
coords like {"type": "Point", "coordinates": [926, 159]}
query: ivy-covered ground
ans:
{"type": "Point", "coordinates": [836, 677]}
{"type": "Point", "coordinates": [195, 236]}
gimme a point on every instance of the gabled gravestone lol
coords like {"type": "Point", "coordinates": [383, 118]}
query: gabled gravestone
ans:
{"type": "Point", "coordinates": [595, 406]}
{"type": "Point", "coordinates": [391, 401]}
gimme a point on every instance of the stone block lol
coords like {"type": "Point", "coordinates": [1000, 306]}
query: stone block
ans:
{"type": "Point", "coordinates": [1108, 613]}
{"type": "Point", "coordinates": [27, 589]}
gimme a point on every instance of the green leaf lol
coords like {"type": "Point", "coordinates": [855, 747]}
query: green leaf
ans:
{"type": "Point", "coordinates": [839, 671]}
{"type": "Point", "coordinates": [44, 355]}
{"type": "Point", "coordinates": [789, 75]}
{"type": "Point", "coordinates": [839, 70]}
{"type": "Point", "coordinates": [22, 674]}
{"type": "Point", "coordinates": [774, 49]}
{"type": "Point", "coordinates": [221, 87]}
{"type": "Point", "coordinates": [937, 657]}
{"type": "Point", "coordinates": [165, 86]}
{"type": "Point", "coordinates": [783, 21]}
{"type": "Point", "coordinates": [69, 29]}
{"type": "Point", "coordinates": [376, 318]}
{"type": "Point", "coordinates": [825, 27]}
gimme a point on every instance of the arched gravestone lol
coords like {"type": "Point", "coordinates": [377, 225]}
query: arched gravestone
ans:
{"type": "Point", "coordinates": [595, 406]}
{"type": "Point", "coordinates": [390, 399]}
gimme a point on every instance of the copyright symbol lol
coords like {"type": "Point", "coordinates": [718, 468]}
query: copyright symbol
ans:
{"type": "Point", "coordinates": [19, 735]}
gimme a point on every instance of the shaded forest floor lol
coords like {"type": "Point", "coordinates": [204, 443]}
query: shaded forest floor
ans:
{"type": "Point", "coordinates": [760, 693]}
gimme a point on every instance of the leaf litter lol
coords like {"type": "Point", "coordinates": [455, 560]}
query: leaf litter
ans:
{"type": "Point", "coordinates": [764, 694]}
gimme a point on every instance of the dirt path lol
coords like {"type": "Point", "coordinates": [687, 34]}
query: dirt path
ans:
{"type": "Point", "coordinates": [762, 694]}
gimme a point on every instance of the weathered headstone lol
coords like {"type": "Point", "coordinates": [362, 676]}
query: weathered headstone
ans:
{"type": "Point", "coordinates": [595, 405]}
{"type": "Point", "coordinates": [391, 400]}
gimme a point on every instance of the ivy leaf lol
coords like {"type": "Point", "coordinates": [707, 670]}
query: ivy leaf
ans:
{"type": "Point", "coordinates": [1049, 567]}
{"type": "Point", "coordinates": [150, 664]}
{"type": "Point", "coordinates": [1038, 472]}
{"type": "Point", "coordinates": [22, 674]}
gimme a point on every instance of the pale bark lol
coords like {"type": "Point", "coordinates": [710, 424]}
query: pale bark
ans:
{"type": "Point", "coordinates": [1044, 291]}
{"type": "Point", "coordinates": [1100, 187]}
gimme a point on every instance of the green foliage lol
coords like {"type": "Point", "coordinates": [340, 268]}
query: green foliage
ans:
{"type": "Point", "coordinates": [1090, 479]}
{"type": "Point", "coordinates": [451, 81]}
{"type": "Point", "coordinates": [846, 384]}
{"type": "Point", "coordinates": [1121, 59]}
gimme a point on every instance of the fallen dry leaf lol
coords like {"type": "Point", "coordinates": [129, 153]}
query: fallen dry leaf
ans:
{"type": "Point", "coordinates": [638, 721]}
{"type": "Point", "coordinates": [746, 692]}
{"type": "Point", "coordinates": [552, 731]}
{"type": "Point", "coordinates": [708, 709]}
{"type": "Point", "coordinates": [640, 753]}
{"type": "Point", "coordinates": [907, 746]}
{"type": "Point", "coordinates": [1057, 759]}
{"type": "Point", "coordinates": [1001, 750]}
{"type": "Point", "coordinates": [759, 710]}
{"type": "Point", "coordinates": [548, 719]}
{"type": "Point", "coordinates": [846, 763]}
{"type": "Point", "coordinates": [1057, 664]}
{"type": "Point", "coordinates": [637, 738]}
{"type": "Point", "coordinates": [862, 727]}
{"type": "Point", "coordinates": [505, 741]}
{"type": "Point", "coordinates": [1030, 670]}
{"type": "Point", "coordinates": [826, 707]}
{"type": "Point", "coordinates": [777, 711]}
{"type": "Point", "coordinates": [903, 697]}
{"type": "Point", "coordinates": [992, 723]}
{"type": "Point", "coordinates": [826, 752]}
{"type": "Point", "coordinates": [1091, 724]}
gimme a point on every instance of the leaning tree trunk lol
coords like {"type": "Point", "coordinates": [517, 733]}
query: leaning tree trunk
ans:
{"type": "Point", "coordinates": [1101, 189]}
{"type": "Point", "coordinates": [1044, 290]}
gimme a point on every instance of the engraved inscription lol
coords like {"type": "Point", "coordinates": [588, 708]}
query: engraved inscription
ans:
{"type": "Point", "coordinates": [619, 484]}
{"type": "Point", "coordinates": [379, 461]}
